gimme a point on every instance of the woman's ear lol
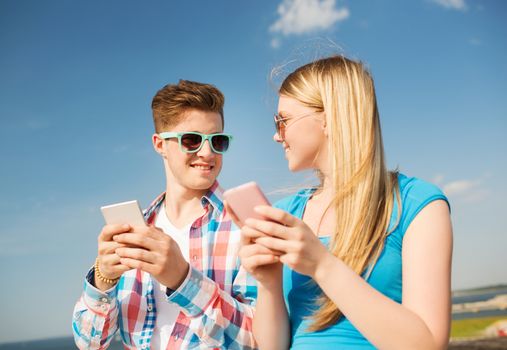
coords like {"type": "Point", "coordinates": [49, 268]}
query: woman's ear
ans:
{"type": "Point", "coordinates": [324, 126]}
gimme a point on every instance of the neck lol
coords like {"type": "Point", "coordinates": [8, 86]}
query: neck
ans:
{"type": "Point", "coordinates": [182, 205]}
{"type": "Point", "coordinates": [325, 192]}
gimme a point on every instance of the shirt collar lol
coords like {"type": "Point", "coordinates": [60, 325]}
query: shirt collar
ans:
{"type": "Point", "coordinates": [213, 196]}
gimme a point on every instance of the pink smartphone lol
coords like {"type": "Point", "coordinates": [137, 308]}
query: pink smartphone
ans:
{"type": "Point", "coordinates": [244, 198]}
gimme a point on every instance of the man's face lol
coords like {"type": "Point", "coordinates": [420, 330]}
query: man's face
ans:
{"type": "Point", "coordinates": [191, 171]}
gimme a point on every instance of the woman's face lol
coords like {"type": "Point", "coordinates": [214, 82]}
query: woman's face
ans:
{"type": "Point", "coordinates": [301, 133]}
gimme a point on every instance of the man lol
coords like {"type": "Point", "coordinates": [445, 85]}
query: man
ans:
{"type": "Point", "coordinates": [176, 283]}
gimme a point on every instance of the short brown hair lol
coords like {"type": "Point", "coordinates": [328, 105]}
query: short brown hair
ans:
{"type": "Point", "coordinates": [173, 100]}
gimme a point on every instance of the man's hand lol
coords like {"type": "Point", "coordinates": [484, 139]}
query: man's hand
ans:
{"type": "Point", "coordinates": [155, 252]}
{"type": "Point", "coordinates": [108, 261]}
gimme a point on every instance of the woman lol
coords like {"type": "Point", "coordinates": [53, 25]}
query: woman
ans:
{"type": "Point", "coordinates": [364, 260]}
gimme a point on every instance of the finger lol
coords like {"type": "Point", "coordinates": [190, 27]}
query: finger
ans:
{"type": "Point", "coordinates": [120, 268]}
{"type": "Point", "coordinates": [244, 240]}
{"type": "Point", "coordinates": [151, 231]}
{"type": "Point", "coordinates": [268, 228]}
{"type": "Point", "coordinates": [259, 260]}
{"type": "Point", "coordinates": [137, 264]}
{"type": "Point", "coordinates": [255, 249]}
{"type": "Point", "coordinates": [137, 254]}
{"type": "Point", "coordinates": [108, 231]}
{"type": "Point", "coordinates": [138, 240]}
{"type": "Point", "coordinates": [109, 247]}
{"type": "Point", "coordinates": [110, 266]}
{"type": "Point", "coordinates": [290, 260]}
{"type": "Point", "coordinates": [276, 244]}
{"type": "Point", "coordinates": [109, 260]}
{"type": "Point", "coordinates": [277, 215]}
{"type": "Point", "coordinates": [232, 214]}
{"type": "Point", "coordinates": [251, 233]}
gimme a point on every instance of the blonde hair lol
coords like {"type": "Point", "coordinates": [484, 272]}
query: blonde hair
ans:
{"type": "Point", "coordinates": [364, 189]}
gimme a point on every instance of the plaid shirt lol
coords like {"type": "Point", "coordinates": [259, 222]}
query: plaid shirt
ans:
{"type": "Point", "coordinates": [215, 300]}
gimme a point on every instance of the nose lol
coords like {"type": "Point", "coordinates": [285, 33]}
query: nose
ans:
{"type": "Point", "coordinates": [205, 151]}
{"type": "Point", "coordinates": [277, 137]}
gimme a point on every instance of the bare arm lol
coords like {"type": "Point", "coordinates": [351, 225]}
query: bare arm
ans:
{"type": "Point", "coordinates": [271, 321]}
{"type": "Point", "coordinates": [422, 320]}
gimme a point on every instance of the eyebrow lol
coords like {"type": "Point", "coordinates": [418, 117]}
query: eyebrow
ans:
{"type": "Point", "coordinates": [200, 132]}
{"type": "Point", "coordinates": [284, 114]}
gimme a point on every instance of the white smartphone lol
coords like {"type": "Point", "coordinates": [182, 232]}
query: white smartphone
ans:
{"type": "Point", "coordinates": [244, 198]}
{"type": "Point", "coordinates": [123, 213]}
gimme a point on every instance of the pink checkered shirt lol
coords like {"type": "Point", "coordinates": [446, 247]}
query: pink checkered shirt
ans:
{"type": "Point", "coordinates": [215, 300]}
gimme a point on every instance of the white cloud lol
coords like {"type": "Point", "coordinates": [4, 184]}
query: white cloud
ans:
{"type": "Point", "coordinates": [460, 187]}
{"type": "Point", "coordinates": [438, 179]}
{"type": "Point", "coordinates": [275, 43]}
{"type": "Point", "coordinates": [452, 4]}
{"type": "Point", "coordinates": [466, 190]}
{"type": "Point", "coordinates": [303, 16]}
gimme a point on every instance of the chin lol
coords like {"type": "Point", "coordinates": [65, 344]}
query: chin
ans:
{"type": "Point", "coordinates": [298, 166]}
{"type": "Point", "coordinates": [203, 184]}
{"type": "Point", "coordinates": [294, 167]}
{"type": "Point", "coordinates": [292, 164]}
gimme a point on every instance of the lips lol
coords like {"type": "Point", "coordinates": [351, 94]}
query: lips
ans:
{"type": "Point", "coordinates": [203, 167]}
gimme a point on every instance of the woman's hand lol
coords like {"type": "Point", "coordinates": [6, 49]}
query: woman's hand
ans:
{"type": "Point", "coordinates": [153, 251]}
{"type": "Point", "coordinates": [259, 261]}
{"type": "Point", "coordinates": [298, 246]}
{"type": "Point", "coordinates": [262, 263]}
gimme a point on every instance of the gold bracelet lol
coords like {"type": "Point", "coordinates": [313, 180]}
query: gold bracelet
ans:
{"type": "Point", "coordinates": [102, 278]}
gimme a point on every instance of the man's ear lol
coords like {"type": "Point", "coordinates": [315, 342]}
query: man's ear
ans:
{"type": "Point", "coordinates": [158, 144]}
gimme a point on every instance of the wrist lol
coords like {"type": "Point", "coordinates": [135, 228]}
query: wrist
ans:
{"type": "Point", "coordinates": [99, 278]}
{"type": "Point", "coordinates": [271, 287]}
{"type": "Point", "coordinates": [324, 267]}
{"type": "Point", "coordinates": [177, 282]}
{"type": "Point", "coordinates": [271, 280]}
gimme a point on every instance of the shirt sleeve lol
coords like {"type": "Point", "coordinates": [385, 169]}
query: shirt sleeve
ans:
{"type": "Point", "coordinates": [415, 195]}
{"type": "Point", "coordinates": [94, 321]}
{"type": "Point", "coordinates": [217, 300]}
{"type": "Point", "coordinates": [218, 318]}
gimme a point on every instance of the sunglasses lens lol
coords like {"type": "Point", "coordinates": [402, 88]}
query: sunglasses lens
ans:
{"type": "Point", "coordinates": [191, 141]}
{"type": "Point", "coordinates": [278, 125]}
{"type": "Point", "coordinates": [220, 143]}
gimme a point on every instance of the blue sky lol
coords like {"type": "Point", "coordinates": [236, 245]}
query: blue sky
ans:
{"type": "Point", "coordinates": [76, 82]}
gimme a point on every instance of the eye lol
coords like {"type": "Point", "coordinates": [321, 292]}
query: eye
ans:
{"type": "Point", "coordinates": [191, 141]}
{"type": "Point", "coordinates": [220, 142]}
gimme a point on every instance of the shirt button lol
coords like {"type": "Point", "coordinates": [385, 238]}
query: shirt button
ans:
{"type": "Point", "coordinates": [150, 308]}
{"type": "Point", "coordinates": [144, 346]}
{"type": "Point", "coordinates": [104, 300]}
{"type": "Point", "coordinates": [194, 258]}
{"type": "Point", "coordinates": [104, 307]}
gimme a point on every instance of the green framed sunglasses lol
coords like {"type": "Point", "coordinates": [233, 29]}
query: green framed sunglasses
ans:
{"type": "Point", "coordinates": [191, 141]}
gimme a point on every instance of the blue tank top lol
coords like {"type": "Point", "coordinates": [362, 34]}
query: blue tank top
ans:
{"type": "Point", "coordinates": [301, 291]}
